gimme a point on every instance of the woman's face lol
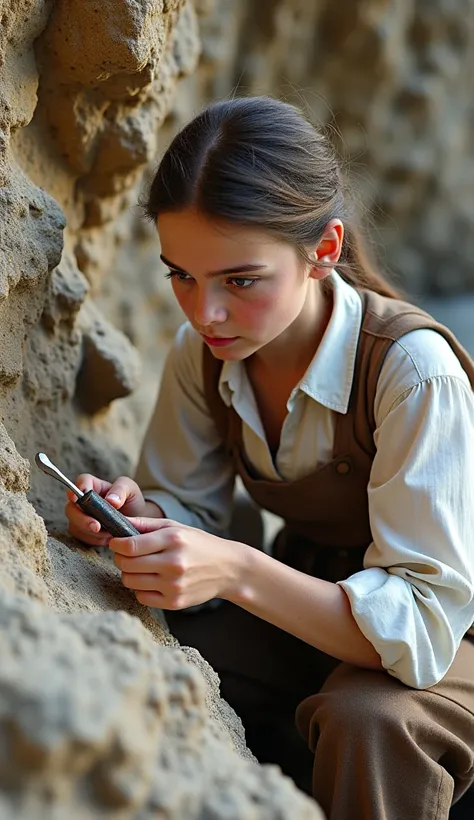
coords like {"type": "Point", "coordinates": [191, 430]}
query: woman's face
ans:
{"type": "Point", "coordinates": [238, 287]}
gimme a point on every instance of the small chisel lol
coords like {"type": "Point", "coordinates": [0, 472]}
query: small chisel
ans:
{"type": "Point", "coordinates": [90, 502]}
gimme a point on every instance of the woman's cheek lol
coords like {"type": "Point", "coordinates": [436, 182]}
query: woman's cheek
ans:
{"type": "Point", "coordinates": [183, 297]}
{"type": "Point", "coordinates": [255, 312]}
{"type": "Point", "coordinates": [269, 313]}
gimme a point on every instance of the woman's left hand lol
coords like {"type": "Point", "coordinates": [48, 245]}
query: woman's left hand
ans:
{"type": "Point", "coordinates": [173, 566]}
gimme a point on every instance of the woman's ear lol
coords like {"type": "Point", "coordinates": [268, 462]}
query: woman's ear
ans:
{"type": "Point", "coordinates": [328, 249]}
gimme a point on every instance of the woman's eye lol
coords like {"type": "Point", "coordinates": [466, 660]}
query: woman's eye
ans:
{"type": "Point", "coordinates": [239, 282]}
{"type": "Point", "coordinates": [179, 275]}
{"type": "Point", "coordinates": [243, 282]}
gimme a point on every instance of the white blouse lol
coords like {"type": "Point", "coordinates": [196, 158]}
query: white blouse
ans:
{"type": "Point", "coordinates": [414, 599]}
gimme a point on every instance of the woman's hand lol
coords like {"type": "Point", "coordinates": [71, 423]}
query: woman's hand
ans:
{"type": "Point", "coordinates": [124, 494]}
{"type": "Point", "coordinates": [173, 566]}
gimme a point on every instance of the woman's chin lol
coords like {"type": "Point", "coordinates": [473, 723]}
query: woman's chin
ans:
{"type": "Point", "coordinates": [233, 353]}
{"type": "Point", "coordinates": [228, 355]}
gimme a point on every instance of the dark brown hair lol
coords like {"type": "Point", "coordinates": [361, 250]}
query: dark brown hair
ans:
{"type": "Point", "coordinates": [258, 161]}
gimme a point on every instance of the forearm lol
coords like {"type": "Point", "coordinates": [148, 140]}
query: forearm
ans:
{"type": "Point", "coordinates": [316, 611]}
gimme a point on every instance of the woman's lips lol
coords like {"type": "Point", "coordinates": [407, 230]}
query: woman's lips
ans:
{"type": "Point", "coordinates": [218, 341]}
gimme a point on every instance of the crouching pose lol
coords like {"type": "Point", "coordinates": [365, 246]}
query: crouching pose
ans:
{"type": "Point", "coordinates": [347, 412]}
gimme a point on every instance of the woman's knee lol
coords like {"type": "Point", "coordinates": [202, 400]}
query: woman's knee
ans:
{"type": "Point", "coordinates": [354, 703]}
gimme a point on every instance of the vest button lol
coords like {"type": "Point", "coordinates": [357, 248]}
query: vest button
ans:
{"type": "Point", "coordinates": [343, 467]}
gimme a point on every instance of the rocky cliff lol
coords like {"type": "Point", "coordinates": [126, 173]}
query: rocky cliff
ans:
{"type": "Point", "coordinates": [102, 714]}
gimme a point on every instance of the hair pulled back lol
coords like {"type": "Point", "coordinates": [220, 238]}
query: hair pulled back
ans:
{"type": "Point", "coordinates": [258, 161]}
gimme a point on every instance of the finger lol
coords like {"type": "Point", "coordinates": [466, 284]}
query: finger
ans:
{"type": "Point", "coordinates": [145, 525]}
{"type": "Point", "coordinates": [82, 522]}
{"type": "Point", "coordinates": [154, 599]}
{"type": "Point", "coordinates": [143, 581]}
{"type": "Point", "coordinates": [135, 545]}
{"type": "Point", "coordinates": [151, 542]}
{"type": "Point", "coordinates": [143, 563]}
{"type": "Point", "coordinates": [100, 540]}
{"type": "Point", "coordinates": [86, 482]}
{"type": "Point", "coordinates": [123, 490]}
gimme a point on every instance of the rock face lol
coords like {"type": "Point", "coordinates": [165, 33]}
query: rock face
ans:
{"type": "Point", "coordinates": [102, 714]}
{"type": "Point", "coordinates": [121, 729]}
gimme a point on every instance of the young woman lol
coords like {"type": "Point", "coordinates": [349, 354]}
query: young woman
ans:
{"type": "Point", "coordinates": [348, 413]}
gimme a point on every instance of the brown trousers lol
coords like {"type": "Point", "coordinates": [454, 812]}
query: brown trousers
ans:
{"type": "Point", "coordinates": [379, 750]}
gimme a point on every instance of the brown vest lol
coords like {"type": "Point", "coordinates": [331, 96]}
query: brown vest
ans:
{"type": "Point", "coordinates": [326, 513]}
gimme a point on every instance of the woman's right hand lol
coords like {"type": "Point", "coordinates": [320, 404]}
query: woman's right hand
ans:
{"type": "Point", "coordinates": [124, 494]}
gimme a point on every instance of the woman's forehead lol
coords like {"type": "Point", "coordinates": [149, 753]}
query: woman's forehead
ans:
{"type": "Point", "coordinates": [188, 232]}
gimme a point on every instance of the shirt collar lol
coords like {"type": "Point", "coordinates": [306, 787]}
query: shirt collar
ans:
{"type": "Point", "coordinates": [328, 378]}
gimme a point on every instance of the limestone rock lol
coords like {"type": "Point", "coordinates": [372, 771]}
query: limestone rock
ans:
{"type": "Point", "coordinates": [110, 367]}
{"type": "Point", "coordinates": [67, 291]}
{"type": "Point", "coordinates": [14, 470]}
{"type": "Point", "coordinates": [23, 555]}
{"type": "Point", "coordinates": [96, 720]}
{"type": "Point", "coordinates": [113, 66]}
{"type": "Point", "coordinates": [59, 139]}
{"type": "Point", "coordinates": [30, 247]}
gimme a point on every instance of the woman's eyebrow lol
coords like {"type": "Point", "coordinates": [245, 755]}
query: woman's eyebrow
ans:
{"type": "Point", "coordinates": [226, 271]}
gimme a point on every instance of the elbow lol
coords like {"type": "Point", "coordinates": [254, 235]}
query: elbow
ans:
{"type": "Point", "coordinates": [375, 663]}
{"type": "Point", "coordinates": [422, 669]}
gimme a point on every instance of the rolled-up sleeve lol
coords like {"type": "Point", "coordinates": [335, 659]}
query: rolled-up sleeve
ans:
{"type": "Point", "coordinates": [183, 465]}
{"type": "Point", "coordinates": [414, 600]}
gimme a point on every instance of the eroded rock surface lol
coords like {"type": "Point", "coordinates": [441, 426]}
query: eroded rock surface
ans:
{"type": "Point", "coordinates": [101, 713]}
{"type": "Point", "coordinates": [121, 729]}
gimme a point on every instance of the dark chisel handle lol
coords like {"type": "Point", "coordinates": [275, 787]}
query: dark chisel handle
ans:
{"type": "Point", "coordinates": [111, 519]}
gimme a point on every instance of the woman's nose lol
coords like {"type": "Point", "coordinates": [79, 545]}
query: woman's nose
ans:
{"type": "Point", "coordinates": [209, 309]}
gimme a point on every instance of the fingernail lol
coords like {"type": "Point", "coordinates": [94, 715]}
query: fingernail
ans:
{"type": "Point", "coordinates": [113, 497]}
{"type": "Point", "coordinates": [94, 526]}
